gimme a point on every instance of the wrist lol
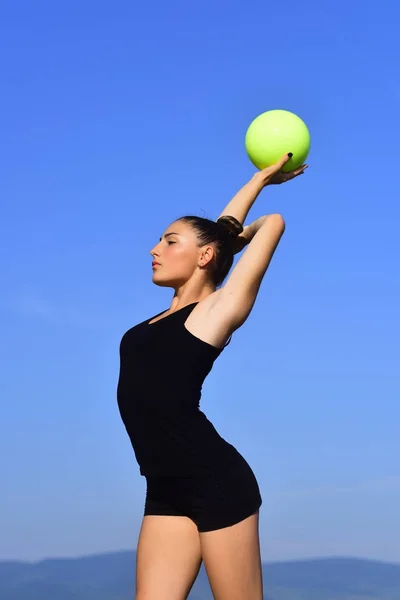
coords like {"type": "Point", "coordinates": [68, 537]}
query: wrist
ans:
{"type": "Point", "coordinates": [261, 179]}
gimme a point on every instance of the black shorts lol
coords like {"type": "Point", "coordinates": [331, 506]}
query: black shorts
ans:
{"type": "Point", "coordinates": [212, 502]}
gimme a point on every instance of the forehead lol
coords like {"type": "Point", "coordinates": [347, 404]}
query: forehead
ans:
{"type": "Point", "coordinates": [179, 228]}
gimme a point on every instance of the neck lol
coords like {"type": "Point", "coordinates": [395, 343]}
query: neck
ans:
{"type": "Point", "coordinates": [189, 294]}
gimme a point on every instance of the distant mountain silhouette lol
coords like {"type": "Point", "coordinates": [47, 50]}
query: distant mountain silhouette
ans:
{"type": "Point", "coordinates": [111, 577]}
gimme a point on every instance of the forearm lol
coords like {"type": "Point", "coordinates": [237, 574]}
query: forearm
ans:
{"type": "Point", "coordinates": [242, 202]}
{"type": "Point", "coordinates": [250, 230]}
{"type": "Point", "coordinates": [247, 234]}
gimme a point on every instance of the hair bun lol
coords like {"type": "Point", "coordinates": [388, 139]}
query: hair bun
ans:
{"type": "Point", "coordinates": [231, 225]}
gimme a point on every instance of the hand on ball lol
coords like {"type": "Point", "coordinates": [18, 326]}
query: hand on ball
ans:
{"type": "Point", "coordinates": [274, 175]}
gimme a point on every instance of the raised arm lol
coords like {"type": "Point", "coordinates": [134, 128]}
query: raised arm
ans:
{"type": "Point", "coordinates": [242, 202]}
{"type": "Point", "coordinates": [236, 297]}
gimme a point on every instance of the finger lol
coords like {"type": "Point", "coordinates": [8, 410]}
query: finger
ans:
{"type": "Point", "coordinates": [285, 158]}
{"type": "Point", "coordinates": [298, 171]}
{"type": "Point", "coordinates": [292, 174]}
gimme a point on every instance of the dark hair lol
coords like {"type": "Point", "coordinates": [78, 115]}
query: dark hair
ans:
{"type": "Point", "coordinates": [221, 233]}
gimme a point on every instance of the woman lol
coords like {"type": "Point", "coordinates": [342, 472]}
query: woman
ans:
{"type": "Point", "coordinates": [202, 500]}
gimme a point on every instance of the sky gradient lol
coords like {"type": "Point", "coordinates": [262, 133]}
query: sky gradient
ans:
{"type": "Point", "coordinates": [115, 119]}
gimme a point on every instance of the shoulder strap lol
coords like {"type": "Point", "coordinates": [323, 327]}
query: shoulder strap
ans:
{"type": "Point", "coordinates": [228, 341]}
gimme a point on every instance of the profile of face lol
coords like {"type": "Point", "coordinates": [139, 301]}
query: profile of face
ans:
{"type": "Point", "coordinates": [178, 256]}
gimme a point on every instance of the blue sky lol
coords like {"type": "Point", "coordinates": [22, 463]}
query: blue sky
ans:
{"type": "Point", "coordinates": [115, 119]}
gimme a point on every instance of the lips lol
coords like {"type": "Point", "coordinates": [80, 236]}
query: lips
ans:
{"type": "Point", "coordinates": [155, 264]}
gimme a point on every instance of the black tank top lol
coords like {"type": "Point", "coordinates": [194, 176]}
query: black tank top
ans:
{"type": "Point", "coordinates": [162, 370]}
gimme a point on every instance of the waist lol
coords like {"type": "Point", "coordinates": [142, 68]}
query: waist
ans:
{"type": "Point", "coordinates": [179, 447]}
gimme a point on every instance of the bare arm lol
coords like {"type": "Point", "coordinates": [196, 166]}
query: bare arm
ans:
{"type": "Point", "coordinates": [224, 311]}
{"type": "Point", "coordinates": [231, 304]}
{"type": "Point", "coordinates": [242, 202]}
{"type": "Point", "coordinates": [236, 298]}
{"type": "Point", "coordinates": [249, 231]}
{"type": "Point", "coordinates": [241, 288]}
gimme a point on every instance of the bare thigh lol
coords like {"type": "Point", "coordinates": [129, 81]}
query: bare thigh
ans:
{"type": "Point", "coordinates": [168, 558]}
{"type": "Point", "coordinates": [232, 560]}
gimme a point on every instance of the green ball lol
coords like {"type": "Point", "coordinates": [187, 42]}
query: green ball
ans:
{"type": "Point", "coordinates": [275, 133]}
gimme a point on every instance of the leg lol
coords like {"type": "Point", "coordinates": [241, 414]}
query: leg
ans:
{"type": "Point", "coordinates": [168, 558]}
{"type": "Point", "coordinates": [232, 560]}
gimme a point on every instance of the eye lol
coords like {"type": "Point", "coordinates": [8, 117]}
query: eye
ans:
{"type": "Point", "coordinates": [170, 242]}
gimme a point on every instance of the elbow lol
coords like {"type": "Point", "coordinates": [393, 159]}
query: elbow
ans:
{"type": "Point", "coordinates": [277, 222]}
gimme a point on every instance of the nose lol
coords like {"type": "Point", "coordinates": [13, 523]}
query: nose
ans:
{"type": "Point", "coordinates": [155, 251]}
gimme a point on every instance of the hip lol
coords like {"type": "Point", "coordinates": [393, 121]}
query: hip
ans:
{"type": "Point", "coordinates": [237, 481]}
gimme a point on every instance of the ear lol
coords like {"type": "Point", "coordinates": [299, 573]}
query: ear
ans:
{"type": "Point", "coordinates": [206, 255]}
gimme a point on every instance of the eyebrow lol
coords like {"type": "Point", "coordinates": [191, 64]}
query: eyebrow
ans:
{"type": "Point", "coordinates": [168, 234]}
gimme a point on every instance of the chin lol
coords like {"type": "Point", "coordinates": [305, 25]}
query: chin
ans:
{"type": "Point", "coordinates": [161, 282]}
{"type": "Point", "coordinates": [164, 282]}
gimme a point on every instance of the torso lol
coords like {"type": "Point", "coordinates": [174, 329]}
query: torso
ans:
{"type": "Point", "coordinates": [164, 363]}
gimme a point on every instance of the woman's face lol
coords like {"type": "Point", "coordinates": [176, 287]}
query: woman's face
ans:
{"type": "Point", "coordinates": [177, 256]}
